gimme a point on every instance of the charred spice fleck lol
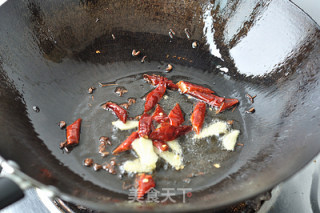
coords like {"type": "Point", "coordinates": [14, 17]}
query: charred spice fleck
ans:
{"type": "Point", "coordinates": [186, 31]}
{"type": "Point", "coordinates": [194, 44]}
{"type": "Point", "coordinates": [90, 90]}
{"type": "Point", "coordinates": [171, 30]}
{"type": "Point", "coordinates": [135, 53]}
{"type": "Point", "coordinates": [124, 105]}
{"type": "Point", "coordinates": [120, 91]}
{"type": "Point", "coordinates": [131, 101]}
{"type": "Point", "coordinates": [97, 167]}
{"type": "Point", "coordinates": [169, 68]}
{"type": "Point", "coordinates": [104, 154]}
{"type": "Point", "coordinates": [62, 124]}
{"type": "Point", "coordinates": [105, 139]}
{"type": "Point", "coordinates": [251, 110]}
{"type": "Point", "coordinates": [63, 144]}
{"type": "Point", "coordinates": [251, 98]}
{"type": "Point", "coordinates": [171, 35]}
{"type": "Point", "coordinates": [143, 59]}
{"type": "Point", "coordinates": [36, 108]}
{"type": "Point", "coordinates": [110, 167]}
{"type": "Point", "coordinates": [88, 162]}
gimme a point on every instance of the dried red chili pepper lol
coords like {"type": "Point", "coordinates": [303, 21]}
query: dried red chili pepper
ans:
{"type": "Point", "coordinates": [168, 132]}
{"type": "Point", "coordinates": [145, 182]}
{"type": "Point", "coordinates": [176, 116]}
{"type": "Point", "coordinates": [227, 104]}
{"type": "Point", "coordinates": [159, 115]}
{"type": "Point", "coordinates": [197, 116]}
{"type": "Point", "coordinates": [155, 80]}
{"type": "Point", "coordinates": [154, 96]}
{"type": "Point", "coordinates": [163, 146]}
{"type": "Point", "coordinates": [164, 133]}
{"type": "Point", "coordinates": [73, 133]}
{"type": "Point", "coordinates": [182, 130]}
{"type": "Point", "coordinates": [211, 99]}
{"type": "Point", "coordinates": [126, 145]}
{"type": "Point", "coordinates": [145, 125]}
{"type": "Point", "coordinates": [217, 101]}
{"type": "Point", "coordinates": [119, 111]}
{"type": "Point", "coordinates": [186, 87]}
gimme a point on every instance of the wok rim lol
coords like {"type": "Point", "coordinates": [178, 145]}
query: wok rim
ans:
{"type": "Point", "coordinates": [54, 193]}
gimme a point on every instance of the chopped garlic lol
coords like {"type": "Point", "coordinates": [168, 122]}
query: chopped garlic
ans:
{"type": "Point", "coordinates": [135, 166]}
{"type": "Point", "coordinates": [175, 146]}
{"type": "Point", "coordinates": [175, 160]}
{"type": "Point", "coordinates": [229, 140]}
{"type": "Point", "coordinates": [216, 128]}
{"type": "Point", "coordinates": [125, 126]}
{"type": "Point", "coordinates": [144, 148]}
{"type": "Point", "coordinates": [217, 165]}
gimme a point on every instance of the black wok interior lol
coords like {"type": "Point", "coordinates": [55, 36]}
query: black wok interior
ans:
{"type": "Point", "coordinates": [48, 59]}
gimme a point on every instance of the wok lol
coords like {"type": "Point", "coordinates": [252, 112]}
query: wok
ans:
{"type": "Point", "coordinates": [49, 59]}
